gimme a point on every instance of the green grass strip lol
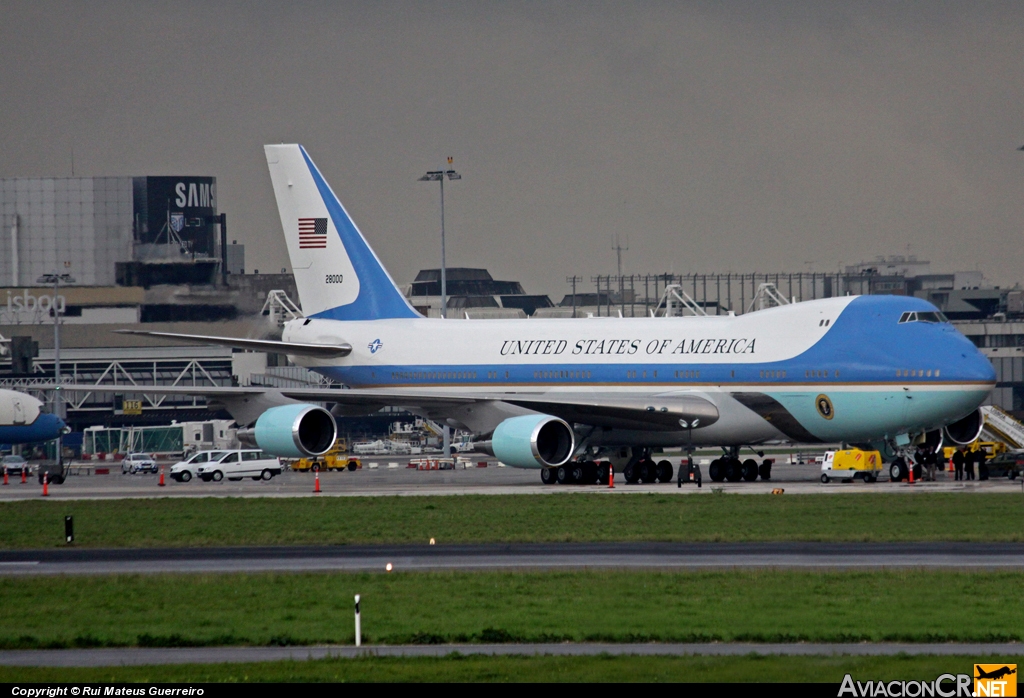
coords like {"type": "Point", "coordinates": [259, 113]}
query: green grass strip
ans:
{"type": "Point", "coordinates": [446, 607]}
{"type": "Point", "coordinates": [748, 669]}
{"type": "Point", "coordinates": [519, 518]}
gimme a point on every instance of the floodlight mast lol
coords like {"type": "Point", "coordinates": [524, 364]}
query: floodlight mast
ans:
{"type": "Point", "coordinates": [439, 176]}
{"type": "Point", "coordinates": [56, 279]}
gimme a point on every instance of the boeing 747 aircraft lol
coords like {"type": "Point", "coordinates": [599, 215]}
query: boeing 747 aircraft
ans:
{"type": "Point", "coordinates": [23, 421]}
{"type": "Point", "coordinates": [558, 394]}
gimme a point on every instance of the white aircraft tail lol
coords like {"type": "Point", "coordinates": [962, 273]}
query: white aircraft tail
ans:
{"type": "Point", "coordinates": [337, 274]}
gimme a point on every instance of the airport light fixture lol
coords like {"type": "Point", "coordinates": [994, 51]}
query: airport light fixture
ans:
{"type": "Point", "coordinates": [439, 176]}
{"type": "Point", "coordinates": [56, 279]}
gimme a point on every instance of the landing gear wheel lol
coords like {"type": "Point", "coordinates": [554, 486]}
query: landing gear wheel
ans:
{"type": "Point", "coordinates": [749, 470]}
{"type": "Point", "coordinates": [547, 476]}
{"type": "Point", "coordinates": [733, 473]}
{"type": "Point", "coordinates": [562, 475]}
{"type": "Point", "coordinates": [576, 472]}
{"type": "Point", "coordinates": [590, 474]}
{"type": "Point", "coordinates": [632, 473]}
{"type": "Point", "coordinates": [665, 471]}
{"type": "Point", "coordinates": [716, 471]}
{"type": "Point", "coordinates": [648, 471]}
{"type": "Point", "coordinates": [824, 479]}
{"type": "Point", "coordinates": [898, 471]}
{"type": "Point", "coordinates": [765, 470]}
{"type": "Point", "coordinates": [603, 469]}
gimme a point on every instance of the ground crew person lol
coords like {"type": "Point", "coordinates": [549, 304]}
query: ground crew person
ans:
{"type": "Point", "coordinates": [930, 462]}
{"type": "Point", "coordinates": [958, 463]}
{"type": "Point", "coordinates": [969, 462]}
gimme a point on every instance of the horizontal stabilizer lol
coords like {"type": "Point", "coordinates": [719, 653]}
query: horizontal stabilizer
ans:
{"type": "Point", "coordinates": [318, 351]}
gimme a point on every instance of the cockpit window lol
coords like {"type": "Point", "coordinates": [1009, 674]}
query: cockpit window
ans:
{"type": "Point", "coordinates": [923, 316]}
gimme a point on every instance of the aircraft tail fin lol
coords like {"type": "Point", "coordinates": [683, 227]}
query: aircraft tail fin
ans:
{"type": "Point", "coordinates": [337, 273]}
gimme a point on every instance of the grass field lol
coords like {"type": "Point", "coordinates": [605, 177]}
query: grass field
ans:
{"type": "Point", "coordinates": [750, 669]}
{"type": "Point", "coordinates": [433, 608]}
{"type": "Point", "coordinates": [520, 518]}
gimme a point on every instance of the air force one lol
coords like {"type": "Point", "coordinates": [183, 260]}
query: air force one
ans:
{"type": "Point", "coordinates": [541, 393]}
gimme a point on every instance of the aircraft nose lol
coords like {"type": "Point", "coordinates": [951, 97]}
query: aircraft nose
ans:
{"type": "Point", "coordinates": [52, 425]}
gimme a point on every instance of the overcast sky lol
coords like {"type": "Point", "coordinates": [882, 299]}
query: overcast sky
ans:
{"type": "Point", "coordinates": [718, 136]}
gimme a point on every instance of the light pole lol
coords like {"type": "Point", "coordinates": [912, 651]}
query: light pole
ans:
{"type": "Point", "coordinates": [56, 279]}
{"type": "Point", "coordinates": [438, 176]}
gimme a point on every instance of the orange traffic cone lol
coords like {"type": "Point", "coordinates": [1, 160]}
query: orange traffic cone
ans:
{"type": "Point", "coordinates": [23, 469]}
{"type": "Point", "coordinates": [46, 485]}
{"type": "Point", "coordinates": [162, 483]}
{"type": "Point", "coordinates": [911, 473]}
{"type": "Point", "coordinates": [316, 488]}
{"type": "Point", "coordinates": [611, 476]}
{"type": "Point", "coordinates": [6, 480]}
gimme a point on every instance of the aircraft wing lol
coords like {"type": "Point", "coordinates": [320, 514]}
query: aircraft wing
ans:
{"type": "Point", "coordinates": [659, 412]}
{"type": "Point", "coordinates": [319, 351]}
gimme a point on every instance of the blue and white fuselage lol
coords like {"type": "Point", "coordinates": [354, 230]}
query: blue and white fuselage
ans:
{"type": "Point", "coordinates": [23, 420]}
{"type": "Point", "coordinates": [766, 372]}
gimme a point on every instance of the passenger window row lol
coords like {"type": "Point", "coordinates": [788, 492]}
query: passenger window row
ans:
{"type": "Point", "coordinates": [819, 374]}
{"type": "Point", "coordinates": [687, 374]}
{"type": "Point", "coordinates": [773, 374]}
{"type": "Point", "coordinates": [569, 375]}
{"type": "Point", "coordinates": [434, 375]}
{"type": "Point", "coordinates": [916, 373]}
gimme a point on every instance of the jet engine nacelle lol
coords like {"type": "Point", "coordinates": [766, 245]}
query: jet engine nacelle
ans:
{"type": "Point", "coordinates": [533, 441]}
{"type": "Point", "coordinates": [293, 431]}
{"type": "Point", "coordinates": [966, 430]}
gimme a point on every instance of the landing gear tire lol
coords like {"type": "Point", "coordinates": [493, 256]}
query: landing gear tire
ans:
{"type": "Point", "coordinates": [547, 476]}
{"type": "Point", "coordinates": [632, 473]}
{"type": "Point", "coordinates": [749, 470]}
{"type": "Point", "coordinates": [648, 471]}
{"type": "Point", "coordinates": [562, 475]}
{"type": "Point", "coordinates": [665, 471]}
{"type": "Point", "coordinates": [578, 473]}
{"type": "Point", "coordinates": [590, 473]}
{"type": "Point", "coordinates": [733, 473]}
{"type": "Point", "coordinates": [716, 471]}
{"type": "Point", "coordinates": [824, 479]}
{"type": "Point", "coordinates": [602, 472]}
{"type": "Point", "coordinates": [898, 471]}
{"type": "Point", "coordinates": [765, 470]}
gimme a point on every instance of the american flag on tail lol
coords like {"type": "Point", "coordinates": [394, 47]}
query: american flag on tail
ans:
{"type": "Point", "coordinates": [312, 233]}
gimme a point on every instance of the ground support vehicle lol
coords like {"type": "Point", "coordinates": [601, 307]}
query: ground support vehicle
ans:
{"type": "Point", "coordinates": [335, 459]}
{"type": "Point", "coordinates": [138, 463]}
{"type": "Point", "coordinates": [239, 463]}
{"type": "Point", "coordinates": [850, 465]}
{"type": "Point", "coordinates": [55, 472]}
{"type": "Point", "coordinates": [187, 469]}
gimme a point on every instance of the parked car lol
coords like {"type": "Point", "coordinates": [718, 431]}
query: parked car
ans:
{"type": "Point", "coordinates": [138, 463]}
{"type": "Point", "coordinates": [188, 468]}
{"type": "Point", "coordinates": [1009, 464]}
{"type": "Point", "coordinates": [234, 465]}
{"type": "Point", "coordinates": [14, 465]}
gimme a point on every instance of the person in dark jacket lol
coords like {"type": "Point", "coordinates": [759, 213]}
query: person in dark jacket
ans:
{"type": "Point", "coordinates": [958, 463]}
{"type": "Point", "coordinates": [969, 461]}
{"type": "Point", "coordinates": [930, 461]}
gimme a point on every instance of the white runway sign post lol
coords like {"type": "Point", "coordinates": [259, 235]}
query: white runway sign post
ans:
{"type": "Point", "coordinates": [359, 631]}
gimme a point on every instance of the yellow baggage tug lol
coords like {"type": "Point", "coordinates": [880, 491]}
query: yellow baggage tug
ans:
{"type": "Point", "coordinates": [851, 464]}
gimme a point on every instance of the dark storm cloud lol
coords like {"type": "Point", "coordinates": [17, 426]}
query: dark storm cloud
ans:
{"type": "Point", "coordinates": [718, 136]}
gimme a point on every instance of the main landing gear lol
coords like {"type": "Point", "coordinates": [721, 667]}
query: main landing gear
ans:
{"type": "Point", "coordinates": [732, 469]}
{"type": "Point", "coordinates": [579, 473]}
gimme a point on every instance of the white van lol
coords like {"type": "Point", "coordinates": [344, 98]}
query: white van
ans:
{"type": "Point", "coordinates": [189, 468]}
{"type": "Point", "coordinates": [234, 465]}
